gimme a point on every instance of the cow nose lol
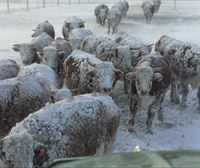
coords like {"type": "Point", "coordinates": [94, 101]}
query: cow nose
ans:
{"type": "Point", "coordinates": [143, 93]}
{"type": "Point", "coordinates": [107, 89]}
{"type": "Point", "coordinates": [25, 62]}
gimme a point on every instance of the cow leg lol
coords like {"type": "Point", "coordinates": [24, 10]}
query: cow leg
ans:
{"type": "Point", "coordinates": [198, 95]}
{"type": "Point", "coordinates": [100, 22]}
{"type": "Point", "coordinates": [153, 109]}
{"type": "Point", "coordinates": [125, 85]}
{"type": "Point", "coordinates": [104, 21]}
{"type": "Point", "coordinates": [133, 109]}
{"type": "Point", "coordinates": [113, 30]}
{"type": "Point", "coordinates": [146, 18]}
{"type": "Point", "coordinates": [109, 27]}
{"type": "Point", "coordinates": [160, 109]}
{"type": "Point", "coordinates": [185, 90]}
{"type": "Point", "coordinates": [174, 94]}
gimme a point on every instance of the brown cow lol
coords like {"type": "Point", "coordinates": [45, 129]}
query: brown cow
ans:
{"type": "Point", "coordinates": [149, 82]}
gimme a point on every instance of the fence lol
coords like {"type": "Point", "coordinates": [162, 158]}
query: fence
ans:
{"type": "Point", "coordinates": [12, 5]}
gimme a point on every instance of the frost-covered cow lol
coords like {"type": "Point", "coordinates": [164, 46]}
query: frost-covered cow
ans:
{"type": "Point", "coordinates": [148, 9]}
{"type": "Point", "coordinates": [71, 23]}
{"type": "Point", "coordinates": [101, 12]}
{"type": "Point", "coordinates": [148, 84]}
{"type": "Point", "coordinates": [137, 47]}
{"type": "Point", "coordinates": [54, 55]}
{"type": "Point", "coordinates": [114, 18]}
{"type": "Point", "coordinates": [44, 27]}
{"type": "Point", "coordinates": [83, 125]}
{"type": "Point", "coordinates": [185, 61]}
{"type": "Point", "coordinates": [41, 71]}
{"type": "Point", "coordinates": [102, 46]}
{"type": "Point", "coordinates": [76, 36]}
{"type": "Point", "coordinates": [49, 77]}
{"type": "Point", "coordinates": [28, 51]}
{"type": "Point", "coordinates": [85, 73]}
{"type": "Point", "coordinates": [19, 97]}
{"type": "Point", "coordinates": [8, 69]}
{"type": "Point", "coordinates": [156, 4]}
{"type": "Point", "coordinates": [125, 7]}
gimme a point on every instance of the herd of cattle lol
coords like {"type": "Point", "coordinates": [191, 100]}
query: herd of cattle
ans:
{"type": "Point", "coordinates": [59, 103]}
{"type": "Point", "coordinates": [119, 11]}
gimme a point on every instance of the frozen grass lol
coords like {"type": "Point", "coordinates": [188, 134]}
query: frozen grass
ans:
{"type": "Point", "coordinates": [181, 127]}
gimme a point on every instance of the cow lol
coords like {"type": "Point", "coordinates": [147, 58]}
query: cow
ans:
{"type": "Point", "coordinates": [83, 125]}
{"type": "Point", "coordinates": [125, 7]}
{"type": "Point", "coordinates": [135, 44]}
{"type": "Point", "coordinates": [49, 77]}
{"type": "Point", "coordinates": [101, 12]}
{"type": "Point", "coordinates": [149, 82]}
{"type": "Point", "coordinates": [148, 9]}
{"type": "Point", "coordinates": [44, 27]}
{"type": "Point", "coordinates": [84, 73]}
{"type": "Point", "coordinates": [185, 62]}
{"type": "Point", "coordinates": [76, 36]}
{"type": "Point", "coordinates": [71, 23]}
{"type": "Point", "coordinates": [156, 4]}
{"type": "Point", "coordinates": [41, 71]}
{"type": "Point", "coordinates": [54, 55]}
{"type": "Point", "coordinates": [8, 69]}
{"type": "Point", "coordinates": [28, 51]}
{"type": "Point", "coordinates": [19, 97]}
{"type": "Point", "coordinates": [102, 46]}
{"type": "Point", "coordinates": [114, 18]}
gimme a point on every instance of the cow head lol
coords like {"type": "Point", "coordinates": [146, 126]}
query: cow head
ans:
{"type": "Point", "coordinates": [103, 76]}
{"type": "Point", "coordinates": [156, 4]}
{"type": "Point", "coordinates": [129, 56]}
{"type": "Point", "coordinates": [143, 77]}
{"type": "Point", "coordinates": [50, 57]}
{"type": "Point", "coordinates": [28, 52]}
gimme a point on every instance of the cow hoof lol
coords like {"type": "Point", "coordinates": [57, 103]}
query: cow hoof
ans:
{"type": "Point", "coordinates": [149, 131]}
{"type": "Point", "coordinates": [131, 128]}
{"type": "Point", "coordinates": [175, 100]}
{"type": "Point", "coordinates": [183, 105]}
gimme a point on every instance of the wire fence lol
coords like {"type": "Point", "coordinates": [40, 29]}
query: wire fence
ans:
{"type": "Point", "coordinates": [13, 5]}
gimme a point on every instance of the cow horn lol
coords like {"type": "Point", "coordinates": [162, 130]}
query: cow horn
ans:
{"type": "Point", "coordinates": [16, 47]}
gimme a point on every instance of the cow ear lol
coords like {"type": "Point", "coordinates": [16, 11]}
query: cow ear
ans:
{"type": "Point", "coordinates": [135, 53]}
{"type": "Point", "coordinates": [130, 76]}
{"type": "Point", "coordinates": [118, 74]}
{"type": "Point", "coordinates": [158, 76]}
{"type": "Point", "coordinates": [16, 47]}
{"type": "Point", "coordinates": [40, 55]}
{"type": "Point", "coordinates": [34, 46]}
{"type": "Point", "coordinates": [61, 56]}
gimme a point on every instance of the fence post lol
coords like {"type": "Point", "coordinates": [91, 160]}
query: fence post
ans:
{"type": "Point", "coordinates": [8, 6]}
{"type": "Point", "coordinates": [43, 3]}
{"type": "Point", "coordinates": [79, 1]}
{"type": "Point", "coordinates": [27, 4]}
{"type": "Point", "coordinates": [174, 4]}
{"type": "Point", "coordinates": [58, 2]}
{"type": "Point", "coordinates": [69, 2]}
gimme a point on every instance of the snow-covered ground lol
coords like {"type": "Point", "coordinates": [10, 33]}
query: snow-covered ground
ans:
{"type": "Point", "coordinates": [181, 127]}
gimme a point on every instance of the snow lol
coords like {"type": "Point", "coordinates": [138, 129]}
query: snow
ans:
{"type": "Point", "coordinates": [181, 126]}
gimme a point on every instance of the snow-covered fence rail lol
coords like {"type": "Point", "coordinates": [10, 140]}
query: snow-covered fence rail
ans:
{"type": "Point", "coordinates": [12, 5]}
